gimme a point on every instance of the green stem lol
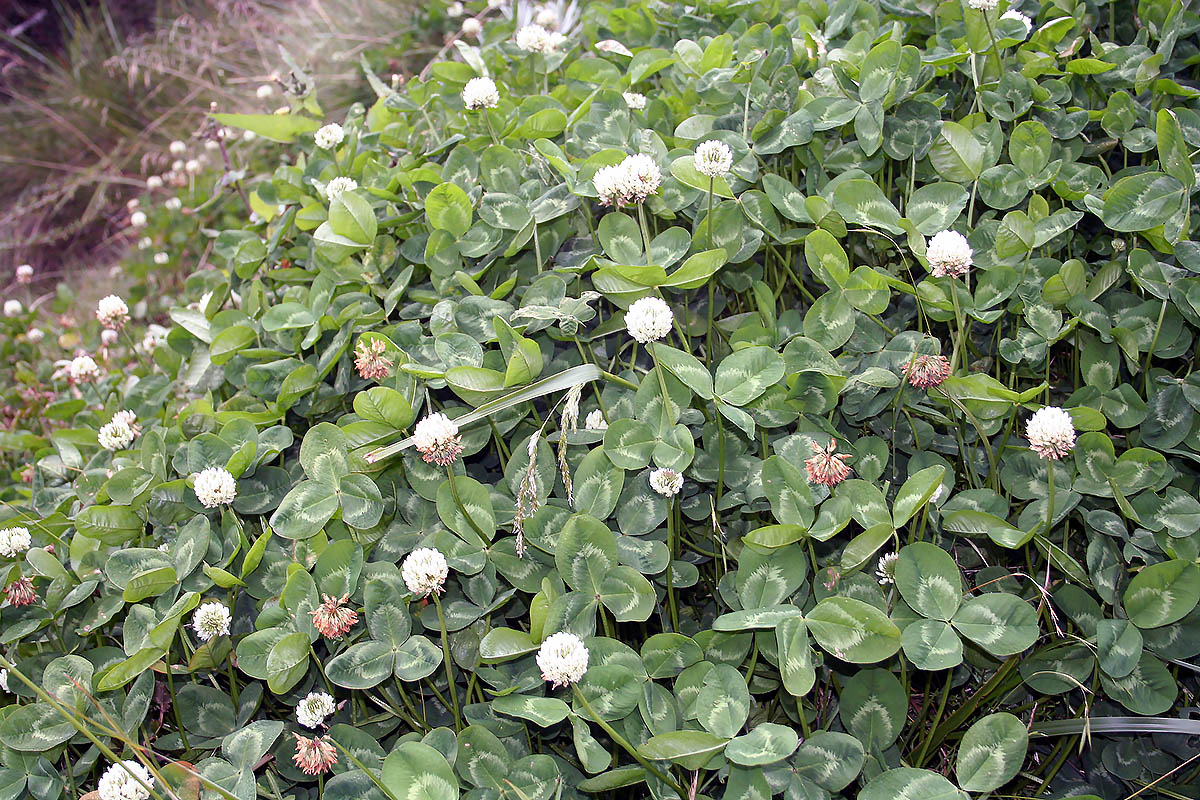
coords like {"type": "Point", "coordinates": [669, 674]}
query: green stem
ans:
{"type": "Point", "coordinates": [461, 508]}
{"type": "Point", "coordinates": [625, 745]}
{"type": "Point", "coordinates": [175, 706]}
{"type": "Point", "coordinates": [491, 130]}
{"type": "Point", "coordinates": [958, 326]}
{"type": "Point", "coordinates": [437, 603]}
{"type": "Point", "coordinates": [710, 213]}
{"type": "Point", "coordinates": [936, 718]}
{"type": "Point", "coordinates": [645, 230]}
{"type": "Point", "coordinates": [1050, 500]}
{"type": "Point", "coordinates": [672, 547]}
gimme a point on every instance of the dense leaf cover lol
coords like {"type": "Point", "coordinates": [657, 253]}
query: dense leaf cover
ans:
{"type": "Point", "coordinates": [797, 514]}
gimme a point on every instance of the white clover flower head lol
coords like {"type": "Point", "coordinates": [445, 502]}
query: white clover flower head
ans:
{"type": "Point", "coordinates": [214, 487]}
{"type": "Point", "coordinates": [634, 100]}
{"type": "Point", "coordinates": [249, 136]}
{"type": "Point", "coordinates": [424, 571]}
{"type": "Point", "coordinates": [116, 435]}
{"type": "Point", "coordinates": [456, 9]}
{"type": "Point", "coordinates": [177, 166]}
{"type": "Point", "coordinates": [119, 782]}
{"type": "Point", "coordinates": [563, 659]}
{"type": "Point", "coordinates": [885, 572]}
{"type": "Point", "coordinates": [713, 158]}
{"type": "Point", "coordinates": [178, 148]}
{"type": "Point", "coordinates": [212, 145]}
{"type": "Point", "coordinates": [4, 680]}
{"type": "Point", "coordinates": [472, 27]}
{"type": "Point", "coordinates": [24, 273]}
{"type": "Point", "coordinates": [595, 421]}
{"type": "Point", "coordinates": [108, 337]}
{"type": "Point", "coordinates": [480, 93]}
{"type": "Point", "coordinates": [13, 308]}
{"type": "Point", "coordinates": [948, 254]}
{"type": "Point", "coordinates": [127, 417]}
{"type": "Point", "coordinates": [155, 335]}
{"type": "Point", "coordinates": [35, 335]}
{"type": "Point", "coordinates": [264, 91]}
{"type": "Point", "coordinates": [610, 184]}
{"type": "Point", "coordinates": [1051, 433]}
{"type": "Point", "coordinates": [329, 136]}
{"type": "Point", "coordinates": [535, 39]}
{"type": "Point", "coordinates": [145, 243]}
{"type": "Point", "coordinates": [192, 166]}
{"type": "Point", "coordinates": [211, 619]}
{"type": "Point", "coordinates": [172, 204]}
{"type": "Point", "coordinates": [154, 182]}
{"type": "Point", "coordinates": [83, 369]}
{"type": "Point", "coordinates": [14, 541]}
{"type": "Point", "coordinates": [130, 205]}
{"type": "Point", "coordinates": [631, 181]}
{"type": "Point", "coordinates": [547, 17]}
{"type": "Point", "coordinates": [983, 5]}
{"type": "Point", "coordinates": [112, 312]}
{"type": "Point", "coordinates": [338, 185]}
{"type": "Point", "coordinates": [1012, 13]}
{"type": "Point", "coordinates": [644, 176]}
{"type": "Point", "coordinates": [314, 708]}
{"type": "Point", "coordinates": [137, 219]}
{"type": "Point", "coordinates": [649, 319]}
{"type": "Point", "coordinates": [161, 258]}
{"type": "Point", "coordinates": [436, 439]}
{"type": "Point", "coordinates": [667, 482]}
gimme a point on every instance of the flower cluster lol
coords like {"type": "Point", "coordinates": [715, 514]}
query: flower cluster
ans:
{"type": "Point", "coordinates": [83, 369]}
{"type": "Point", "coordinates": [424, 571]}
{"type": "Point", "coordinates": [119, 433]}
{"type": "Point", "coordinates": [21, 592]}
{"type": "Point", "coordinates": [649, 319]}
{"type": "Point", "coordinates": [563, 659]}
{"type": "Point", "coordinates": [948, 255]}
{"type": "Point", "coordinates": [480, 93]}
{"type": "Point", "coordinates": [827, 467]}
{"type": "Point", "coordinates": [436, 439]}
{"type": "Point", "coordinates": [1051, 433]}
{"type": "Point", "coordinates": [333, 618]}
{"type": "Point", "coordinates": [127, 780]}
{"type": "Point", "coordinates": [370, 361]}
{"type": "Point", "coordinates": [210, 620]}
{"type": "Point", "coordinates": [329, 136]}
{"type": "Point", "coordinates": [631, 181]}
{"type": "Point", "coordinates": [338, 185]}
{"type": "Point", "coordinates": [713, 158]}
{"type": "Point", "coordinates": [536, 39]}
{"type": "Point", "coordinates": [14, 541]}
{"type": "Point", "coordinates": [314, 708]}
{"type": "Point", "coordinates": [314, 756]}
{"type": "Point", "coordinates": [214, 487]}
{"type": "Point", "coordinates": [666, 482]}
{"type": "Point", "coordinates": [925, 371]}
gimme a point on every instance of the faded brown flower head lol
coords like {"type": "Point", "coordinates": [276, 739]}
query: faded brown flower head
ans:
{"type": "Point", "coordinates": [827, 466]}
{"type": "Point", "coordinates": [924, 372]}
{"type": "Point", "coordinates": [333, 618]}
{"type": "Point", "coordinates": [315, 755]}
{"type": "Point", "coordinates": [21, 592]}
{"type": "Point", "coordinates": [370, 361]}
